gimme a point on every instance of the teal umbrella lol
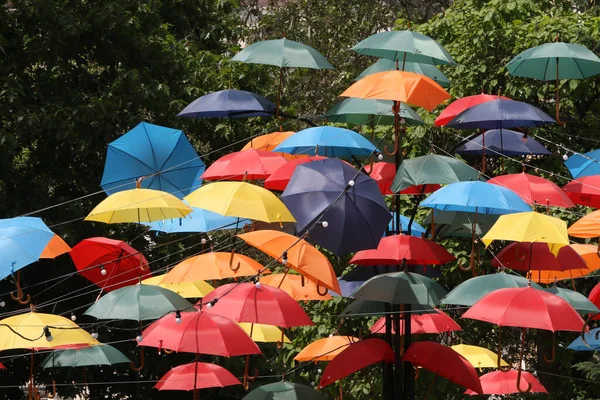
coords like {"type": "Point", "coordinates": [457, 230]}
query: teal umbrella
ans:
{"type": "Point", "coordinates": [423, 69]}
{"type": "Point", "coordinates": [460, 224]}
{"type": "Point", "coordinates": [370, 112]}
{"type": "Point", "coordinates": [103, 354]}
{"type": "Point", "coordinates": [579, 302]}
{"type": "Point", "coordinates": [284, 391]}
{"type": "Point", "coordinates": [367, 308]}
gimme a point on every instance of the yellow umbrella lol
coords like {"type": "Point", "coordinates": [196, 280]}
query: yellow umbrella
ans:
{"type": "Point", "coordinates": [189, 290]}
{"type": "Point", "coordinates": [242, 200]}
{"type": "Point", "coordinates": [479, 357]}
{"type": "Point", "coordinates": [264, 333]}
{"type": "Point", "coordinates": [138, 205]}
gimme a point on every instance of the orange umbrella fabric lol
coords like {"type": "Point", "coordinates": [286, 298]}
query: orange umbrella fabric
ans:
{"type": "Point", "coordinates": [215, 265]}
{"type": "Point", "coordinates": [587, 226]}
{"type": "Point", "coordinates": [325, 349]}
{"type": "Point", "coordinates": [407, 87]}
{"type": "Point", "coordinates": [301, 256]}
{"type": "Point", "coordinates": [589, 255]}
{"type": "Point", "coordinates": [297, 286]}
{"type": "Point", "coordinates": [55, 247]}
{"type": "Point", "coordinates": [267, 142]}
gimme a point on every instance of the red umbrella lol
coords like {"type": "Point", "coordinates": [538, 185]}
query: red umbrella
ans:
{"type": "Point", "coordinates": [199, 332]}
{"type": "Point", "coordinates": [445, 362]}
{"type": "Point", "coordinates": [438, 322]}
{"type": "Point", "coordinates": [584, 191]}
{"type": "Point", "coordinates": [403, 248]}
{"type": "Point", "coordinates": [280, 177]}
{"type": "Point", "coordinates": [516, 256]}
{"type": "Point", "coordinates": [356, 357]}
{"type": "Point", "coordinates": [460, 105]}
{"type": "Point", "coordinates": [534, 189]}
{"type": "Point", "coordinates": [196, 375]}
{"type": "Point", "coordinates": [247, 164]}
{"type": "Point", "coordinates": [500, 382]}
{"type": "Point", "coordinates": [2, 366]}
{"type": "Point", "coordinates": [595, 298]}
{"type": "Point", "coordinates": [383, 173]}
{"type": "Point", "coordinates": [110, 264]}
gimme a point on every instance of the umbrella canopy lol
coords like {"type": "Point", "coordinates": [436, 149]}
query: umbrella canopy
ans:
{"type": "Point", "coordinates": [586, 251]}
{"type": "Point", "coordinates": [213, 265]}
{"type": "Point", "coordinates": [419, 173]}
{"type": "Point", "coordinates": [300, 256]}
{"type": "Point", "coordinates": [526, 308]}
{"type": "Point", "coordinates": [479, 357]}
{"type": "Point", "coordinates": [296, 286]}
{"type": "Point", "coordinates": [406, 87]}
{"type": "Point", "coordinates": [355, 357]}
{"type": "Point", "coordinates": [479, 197]}
{"type": "Point", "coordinates": [279, 179]}
{"type": "Point", "coordinates": [101, 354]}
{"type": "Point", "coordinates": [404, 46]}
{"type": "Point", "coordinates": [580, 165]}
{"type": "Point", "coordinates": [187, 290]}
{"type": "Point", "coordinates": [283, 53]}
{"type": "Point", "coordinates": [196, 375]}
{"type": "Point", "coordinates": [497, 142]}
{"type": "Point", "coordinates": [325, 349]}
{"type": "Point", "coordinates": [472, 290]}
{"type": "Point", "coordinates": [138, 303]}
{"type": "Point", "coordinates": [364, 308]}
{"type": "Point", "coordinates": [321, 191]}
{"type": "Point", "coordinates": [529, 227]}
{"type": "Point", "coordinates": [268, 141]}
{"type": "Point", "coordinates": [534, 189]}
{"type": "Point", "coordinates": [383, 173]}
{"type": "Point", "coordinates": [584, 191]}
{"type": "Point", "coordinates": [264, 333]}
{"type": "Point", "coordinates": [371, 112]}
{"type": "Point", "coordinates": [460, 224]}
{"type": "Point", "coordinates": [138, 205]}
{"type": "Point", "coordinates": [593, 344]}
{"type": "Point", "coordinates": [445, 362]}
{"type": "Point", "coordinates": [499, 114]}
{"type": "Point", "coordinates": [242, 200]}
{"type": "Point", "coordinates": [110, 264]}
{"type": "Point", "coordinates": [262, 304]}
{"type": "Point", "coordinates": [460, 105]}
{"type": "Point", "coordinates": [502, 383]}
{"type": "Point", "coordinates": [401, 288]}
{"type": "Point", "coordinates": [198, 220]}
{"type": "Point", "coordinates": [578, 301]}
{"type": "Point", "coordinates": [229, 103]}
{"type": "Point", "coordinates": [434, 323]}
{"type": "Point", "coordinates": [199, 332]}
{"type": "Point", "coordinates": [327, 141]}
{"type": "Point", "coordinates": [399, 249]}
{"type": "Point", "coordinates": [55, 247]}
{"type": "Point", "coordinates": [536, 256]}
{"type": "Point", "coordinates": [244, 165]}
{"type": "Point", "coordinates": [415, 228]}
{"type": "Point", "coordinates": [428, 70]}
{"type": "Point", "coordinates": [163, 155]}
{"type": "Point", "coordinates": [284, 390]}
{"type": "Point", "coordinates": [587, 226]}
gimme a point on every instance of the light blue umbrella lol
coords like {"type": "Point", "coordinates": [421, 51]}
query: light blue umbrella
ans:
{"type": "Point", "coordinates": [199, 220]}
{"type": "Point", "coordinates": [328, 141]}
{"type": "Point", "coordinates": [479, 197]}
{"type": "Point", "coordinates": [587, 164]}
{"type": "Point", "coordinates": [592, 339]}
{"type": "Point", "coordinates": [163, 155]}
{"type": "Point", "coordinates": [415, 230]}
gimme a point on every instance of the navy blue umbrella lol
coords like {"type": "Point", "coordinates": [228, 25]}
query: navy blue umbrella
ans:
{"type": "Point", "coordinates": [499, 114]}
{"type": "Point", "coordinates": [502, 142]}
{"type": "Point", "coordinates": [356, 215]}
{"type": "Point", "coordinates": [229, 103]}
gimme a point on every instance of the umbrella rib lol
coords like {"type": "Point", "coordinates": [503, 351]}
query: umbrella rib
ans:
{"type": "Point", "coordinates": [151, 148]}
{"type": "Point", "coordinates": [134, 158]}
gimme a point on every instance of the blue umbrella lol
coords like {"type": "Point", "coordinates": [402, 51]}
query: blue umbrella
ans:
{"type": "Point", "coordinates": [592, 340]}
{"type": "Point", "coordinates": [356, 215]}
{"type": "Point", "coordinates": [199, 220]}
{"type": "Point", "coordinates": [415, 230]}
{"type": "Point", "coordinates": [347, 288]}
{"type": "Point", "coordinates": [478, 197]}
{"type": "Point", "coordinates": [328, 141]}
{"type": "Point", "coordinates": [502, 142]}
{"type": "Point", "coordinates": [229, 104]}
{"type": "Point", "coordinates": [162, 154]}
{"type": "Point", "coordinates": [499, 114]}
{"type": "Point", "coordinates": [587, 164]}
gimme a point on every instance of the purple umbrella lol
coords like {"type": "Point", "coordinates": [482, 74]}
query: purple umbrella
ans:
{"type": "Point", "coordinates": [499, 114]}
{"type": "Point", "coordinates": [502, 142]}
{"type": "Point", "coordinates": [229, 103]}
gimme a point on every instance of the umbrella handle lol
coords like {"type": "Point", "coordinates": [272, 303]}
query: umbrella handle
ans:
{"type": "Point", "coordinates": [53, 394]}
{"type": "Point", "coordinates": [519, 370]}
{"type": "Point", "coordinates": [247, 378]}
{"type": "Point", "coordinates": [167, 351]}
{"type": "Point", "coordinates": [368, 171]}
{"type": "Point", "coordinates": [20, 296]}
{"type": "Point", "coordinates": [432, 229]}
{"type": "Point", "coordinates": [231, 267]}
{"type": "Point", "coordinates": [430, 386]}
{"type": "Point", "coordinates": [518, 254]}
{"type": "Point", "coordinates": [552, 357]}
{"type": "Point", "coordinates": [584, 327]}
{"type": "Point", "coordinates": [468, 268]}
{"type": "Point", "coordinates": [393, 153]}
{"type": "Point", "coordinates": [280, 342]}
{"type": "Point", "coordinates": [322, 294]}
{"type": "Point", "coordinates": [141, 366]}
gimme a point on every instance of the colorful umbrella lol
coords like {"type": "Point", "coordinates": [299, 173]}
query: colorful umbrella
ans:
{"type": "Point", "coordinates": [163, 155]}
{"type": "Point", "coordinates": [578, 301]}
{"type": "Point", "coordinates": [479, 357]}
{"type": "Point", "coordinates": [229, 103]}
{"type": "Point", "coordinates": [500, 114]}
{"type": "Point", "coordinates": [250, 165]}
{"type": "Point", "coordinates": [459, 224]}
{"type": "Point", "coordinates": [595, 297]}
{"type": "Point", "coordinates": [264, 333]}
{"type": "Point", "coordinates": [325, 349]}
{"type": "Point", "coordinates": [462, 104]}
{"type": "Point", "coordinates": [383, 173]}
{"type": "Point", "coordinates": [284, 390]}
{"type": "Point", "coordinates": [369, 308]}
{"type": "Point", "coordinates": [279, 179]}
{"type": "Point", "coordinates": [55, 247]}
{"type": "Point", "coordinates": [587, 226]}
{"type": "Point", "coordinates": [101, 354]}
{"type": "Point", "coordinates": [501, 142]}
{"type": "Point", "coordinates": [196, 375]}
{"type": "Point", "coordinates": [502, 383]}
{"type": "Point", "coordinates": [587, 164]}
{"type": "Point", "coordinates": [434, 323]}
{"type": "Point", "coordinates": [403, 249]}
{"type": "Point", "coordinates": [537, 256]}
{"type": "Point", "coordinates": [415, 229]}
{"type": "Point", "coordinates": [213, 265]}
{"type": "Point", "coordinates": [370, 112]}
{"type": "Point", "coordinates": [592, 341]}
{"type": "Point", "coordinates": [584, 191]}
{"type": "Point", "coordinates": [108, 263]}
{"type": "Point", "coordinates": [198, 220]}
{"type": "Point", "coordinates": [428, 70]}
{"type": "Point", "coordinates": [268, 141]}
{"type": "Point", "coordinates": [349, 201]}
{"type": "Point", "coordinates": [296, 286]}
{"type": "Point", "coordinates": [534, 190]}
{"type": "Point", "coordinates": [187, 290]}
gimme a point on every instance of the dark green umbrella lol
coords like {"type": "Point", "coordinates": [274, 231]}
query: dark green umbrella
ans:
{"type": "Point", "coordinates": [579, 302]}
{"type": "Point", "coordinates": [370, 112]}
{"type": "Point", "coordinates": [367, 308]}
{"type": "Point", "coordinates": [428, 70]}
{"type": "Point", "coordinates": [103, 354]}
{"type": "Point", "coordinates": [284, 391]}
{"type": "Point", "coordinates": [460, 224]}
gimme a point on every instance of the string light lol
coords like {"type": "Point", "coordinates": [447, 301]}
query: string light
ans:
{"type": "Point", "coordinates": [258, 285]}
{"type": "Point", "coordinates": [324, 224]}
{"type": "Point", "coordinates": [94, 335]}
{"type": "Point", "coordinates": [139, 337]}
{"type": "Point", "coordinates": [380, 157]}
{"type": "Point", "coordinates": [73, 317]}
{"type": "Point", "coordinates": [351, 183]}
{"type": "Point", "coordinates": [102, 270]}
{"type": "Point", "coordinates": [2, 303]}
{"type": "Point", "coordinates": [565, 157]}
{"type": "Point", "coordinates": [177, 317]}
{"type": "Point", "coordinates": [48, 335]}
{"type": "Point", "coordinates": [284, 259]}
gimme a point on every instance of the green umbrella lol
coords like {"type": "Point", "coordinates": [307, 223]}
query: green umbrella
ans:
{"type": "Point", "coordinates": [103, 354]}
{"type": "Point", "coordinates": [460, 224]}
{"type": "Point", "coordinates": [578, 301]}
{"type": "Point", "coordinates": [428, 70]}
{"type": "Point", "coordinates": [555, 61]}
{"type": "Point", "coordinates": [369, 111]}
{"type": "Point", "coordinates": [366, 308]}
{"type": "Point", "coordinates": [404, 46]}
{"type": "Point", "coordinates": [138, 303]}
{"type": "Point", "coordinates": [471, 290]}
{"type": "Point", "coordinates": [284, 391]}
{"type": "Point", "coordinates": [401, 288]}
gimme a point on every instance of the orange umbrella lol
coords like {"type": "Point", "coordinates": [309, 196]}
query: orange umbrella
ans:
{"type": "Point", "coordinates": [296, 286]}
{"type": "Point", "coordinates": [55, 247]}
{"type": "Point", "coordinates": [589, 255]}
{"type": "Point", "coordinates": [325, 349]}
{"type": "Point", "coordinates": [215, 265]}
{"type": "Point", "coordinates": [297, 254]}
{"type": "Point", "coordinates": [587, 227]}
{"type": "Point", "coordinates": [269, 141]}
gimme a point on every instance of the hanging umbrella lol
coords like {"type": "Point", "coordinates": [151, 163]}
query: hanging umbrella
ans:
{"type": "Point", "coordinates": [501, 142]}
{"type": "Point", "coordinates": [592, 341]}
{"type": "Point", "coordinates": [584, 191]}
{"type": "Point", "coordinates": [101, 354]}
{"type": "Point", "coordinates": [347, 288]}
{"type": "Point", "coordinates": [581, 165]}
{"type": "Point", "coordinates": [434, 323]}
{"type": "Point", "coordinates": [534, 190]}
{"type": "Point", "coordinates": [578, 301]}
{"type": "Point", "coordinates": [297, 254]}
{"type": "Point", "coordinates": [229, 103]}
{"type": "Point", "coordinates": [537, 256]}
{"type": "Point", "coordinates": [587, 227]}
{"type": "Point", "coordinates": [404, 222]}
{"type": "Point", "coordinates": [163, 155]}
{"type": "Point", "coordinates": [268, 141]}
{"type": "Point", "coordinates": [502, 383]}
{"type": "Point", "coordinates": [459, 224]}
{"type": "Point", "coordinates": [279, 179]}
{"type": "Point", "coordinates": [595, 298]}
{"type": "Point", "coordinates": [383, 173]}
{"type": "Point", "coordinates": [55, 247]}
{"type": "Point", "coordinates": [196, 375]}
{"type": "Point", "coordinates": [242, 200]}
{"type": "Point", "coordinates": [108, 263]}
{"type": "Point", "coordinates": [284, 390]}
{"type": "Point", "coordinates": [187, 290]}
{"type": "Point", "coordinates": [460, 105]}
{"type": "Point", "coordinates": [297, 286]}
{"type": "Point", "coordinates": [551, 276]}
{"type": "Point", "coordinates": [355, 357]}
{"type": "Point", "coordinates": [349, 201]}
{"type": "Point", "coordinates": [370, 112]}
{"type": "Point", "coordinates": [403, 249]}
{"type": "Point", "coordinates": [500, 114]}
{"type": "Point", "coordinates": [213, 265]}
{"type": "Point", "coordinates": [325, 349]}
{"type": "Point", "coordinates": [369, 308]}
{"type": "Point", "coordinates": [250, 165]}
{"type": "Point", "coordinates": [428, 70]}
{"type": "Point", "coordinates": [198, 220]}
{"type": "Point", "coordinates": [479, 357]}
{"type": "Point", "coordinates": [264, 333]}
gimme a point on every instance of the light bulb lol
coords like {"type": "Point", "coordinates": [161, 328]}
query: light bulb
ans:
{"type": "Point", "coordinates": [565, 157]}
{"type": "Point", "coordinates": [351, 183]}
{"type": "Point", "coordinates": [178, 317]}
{"type": "Point", "coordinates": [284, 261]}
{"type": "Point", "coordinates": [402, 121]}
{"type": "Point", "coordinates": [203, 241]}
{"type": "Point", "coordinates": [324, 224]}
{"type": "Point", "coordinates": [312, 384]}
{"type": "Point", "coordinates": [102, 271]}
{"type": "Point", "coordinates": [139, 338]}
{"type": "Point", "coordinates": [319, 371]}
{"type": "Point", "coordinates": [94, 335]}
{"type": "Point", "coordinates": [258, 285]}
{"type": "Point", "coordinates": [2, 303]}
{"type": "Point", "coordinates": [73, 317]}
{"type": "Point", "coordinates": [380, 157]}
{"type": "Point", "coordinates": [48, 334]}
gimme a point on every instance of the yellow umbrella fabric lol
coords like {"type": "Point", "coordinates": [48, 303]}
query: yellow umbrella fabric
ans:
{"type": "Point", "coordinates": [242, 200]}
{"type": "Point", "coordinates": [479, 357]}
{"type": "Point", "coordinates": [189, 290]}
{"type": "Point", "coordinates": [264, 333]}
{"type": "Point", "coordinates": [269, 141]}
{"type": "Point", "coordinates": [138, 205]}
